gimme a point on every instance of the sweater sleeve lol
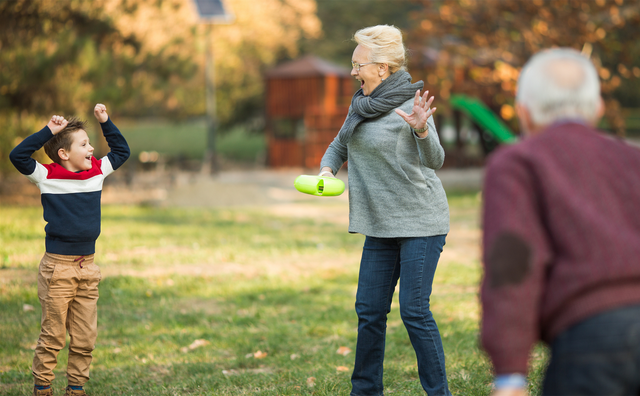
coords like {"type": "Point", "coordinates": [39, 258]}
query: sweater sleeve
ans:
{"type": "Point", "coordinates": [516, 252]}
{"type": "Point", "coordinates": [430, 150]}
{"type": "Point", "coordinates": [119, 148]}
{"type": "Point", "coordinates": [336, 154]}
{"type": "Point", "coordinates": [20, 156]}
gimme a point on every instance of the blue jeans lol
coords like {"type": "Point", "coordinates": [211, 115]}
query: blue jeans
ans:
{"type": "Point", "coordinates": [384, 261]}
{"type": "Point", "coordinates": [598, 356]}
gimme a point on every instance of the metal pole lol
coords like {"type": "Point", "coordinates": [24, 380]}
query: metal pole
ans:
{"type": "Point", "coordinates": [210, 164]}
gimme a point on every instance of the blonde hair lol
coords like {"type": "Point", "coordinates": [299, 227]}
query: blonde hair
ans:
{"type": "Point", "coordinates": [385, 43]}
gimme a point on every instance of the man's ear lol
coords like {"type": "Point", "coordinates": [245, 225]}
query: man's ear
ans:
{"type": "Point", "coordinates": [62, 153]}
{"type": "Point", "coordinates": [600, 110]}
{"type": "Point", "coordinates": [524, 118]}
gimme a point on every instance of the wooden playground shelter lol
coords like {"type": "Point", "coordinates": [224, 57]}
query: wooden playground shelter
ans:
{"type": "Point", "coordinates": [307, 101]}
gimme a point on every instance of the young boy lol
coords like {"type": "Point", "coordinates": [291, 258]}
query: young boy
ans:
{"type": "Point", "coordinates": [68, 277]}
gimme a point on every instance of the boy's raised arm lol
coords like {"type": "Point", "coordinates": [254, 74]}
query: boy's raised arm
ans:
{"type": "Point", "coordinates": [100, 111]}
{"type": "Point", "coordinates": [119, 148]}
{"type": "Point", "coordinates": [57, 123]}
{"type": "Point", "coordinates": [21, 155]}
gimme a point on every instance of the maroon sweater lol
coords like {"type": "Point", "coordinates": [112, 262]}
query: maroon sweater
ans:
{"type": "Point", "coordinates": [561, 241]}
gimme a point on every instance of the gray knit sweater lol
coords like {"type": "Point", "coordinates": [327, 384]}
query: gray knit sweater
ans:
{"type": "Point", "coordinates": [393, 188]}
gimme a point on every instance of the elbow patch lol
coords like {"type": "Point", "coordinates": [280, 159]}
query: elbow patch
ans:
{"type": "Point", "coordinates": [509, 260]}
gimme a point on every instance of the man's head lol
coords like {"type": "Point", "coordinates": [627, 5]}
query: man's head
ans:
{"type": "Point", "coordinates": [555, 85]}
{"type": "Point", "coordinates": [70, 147]}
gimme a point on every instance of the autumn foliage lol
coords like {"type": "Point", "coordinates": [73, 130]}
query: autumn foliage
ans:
{"type": "Point", "coordinates": [142, 58]}
{"type": "Point", "coordinates": [479, 46]}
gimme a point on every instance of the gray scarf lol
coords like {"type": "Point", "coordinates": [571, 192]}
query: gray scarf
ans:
{"type": "Point", "coordinates": [389, 95]}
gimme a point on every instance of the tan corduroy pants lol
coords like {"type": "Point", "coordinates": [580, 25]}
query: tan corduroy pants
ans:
{"type": "Point", "coordinates": [68, 293]}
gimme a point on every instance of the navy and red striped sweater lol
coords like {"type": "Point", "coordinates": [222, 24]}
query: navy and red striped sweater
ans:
{"type": "Point", "coordinates": [70, 200]}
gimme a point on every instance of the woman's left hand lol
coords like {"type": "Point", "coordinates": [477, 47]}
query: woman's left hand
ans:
{"type": "Point", "coordinates": [420, 113]}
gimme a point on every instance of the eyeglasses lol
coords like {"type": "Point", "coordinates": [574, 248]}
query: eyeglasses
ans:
{"type": "Point", "coordinates": [357, 65]}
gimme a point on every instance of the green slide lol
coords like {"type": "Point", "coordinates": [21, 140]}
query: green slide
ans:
{"type": "Point", "coordinates": [479, 113]}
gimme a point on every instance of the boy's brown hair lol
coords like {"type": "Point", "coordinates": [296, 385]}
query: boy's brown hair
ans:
{"type": "Point", "coordinates": [63, 138]}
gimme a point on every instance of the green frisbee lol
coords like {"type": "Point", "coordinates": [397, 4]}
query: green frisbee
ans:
{"type": "Point", "coordinates": [319, 186]}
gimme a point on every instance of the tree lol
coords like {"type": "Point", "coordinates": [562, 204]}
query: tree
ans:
{"type": "Point", "coordinates": [479, 47]}
{"type": "Point", "coordinates": [141, 57]}
{"type": "Point", "coordinates": [263, 33]}
{"type": "Point", "coordinates": [341, 19]}
{"type": "Point", "coordinates": [62, 57]}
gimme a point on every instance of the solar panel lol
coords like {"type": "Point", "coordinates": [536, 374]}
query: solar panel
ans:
{"type": "Point", "coordinates": [211, 9]}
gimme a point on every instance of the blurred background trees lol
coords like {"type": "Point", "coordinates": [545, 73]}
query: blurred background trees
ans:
{"type": "Point", "coordinates": [147, 58]}
{"type": "Point", "coordinates": [479, 46]}
{"type": "Point", "coordinates": [141, 58]}
{"type": "Point", "coordinates": [342, 18]}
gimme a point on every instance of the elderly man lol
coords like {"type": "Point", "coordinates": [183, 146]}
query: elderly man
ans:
{"type": "Point", "coordinates": [561, 244]}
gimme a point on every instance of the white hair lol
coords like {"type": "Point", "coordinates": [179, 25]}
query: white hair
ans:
{"type": "Point", "coordinates": [386, 45]}
{"type": "Point", "coordinates": [559, 84]}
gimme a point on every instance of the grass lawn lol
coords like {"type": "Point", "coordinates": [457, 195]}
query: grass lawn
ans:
{"type": "Point", "coordinates": [188, 140]}
{"type": "Point", "coordinates": [236, 302]}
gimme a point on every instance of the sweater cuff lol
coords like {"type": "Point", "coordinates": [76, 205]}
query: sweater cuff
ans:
{"type": "Point", "coordinates": [510, 381]}
{"type": "Point", "coordinates": [415, 134]}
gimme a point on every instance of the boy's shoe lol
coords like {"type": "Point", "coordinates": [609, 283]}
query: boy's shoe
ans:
{"type": "Point", "coordinates": [71, 392]}
{"type": "Point", "coordinates": [42, 392]}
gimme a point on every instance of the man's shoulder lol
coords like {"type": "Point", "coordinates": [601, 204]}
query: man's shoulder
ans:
{"type": "Point", "coordinates": [569, 131]}
{"type": "Point", "coordinates": [585, 140]}
{"type": "Point", "coordinates": [509, 153]}
{"type": "Point", "coordinates": [547, 140]}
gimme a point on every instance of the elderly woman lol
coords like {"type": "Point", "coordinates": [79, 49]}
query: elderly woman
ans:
{"type": "Point", "coordinates": [396, 201]}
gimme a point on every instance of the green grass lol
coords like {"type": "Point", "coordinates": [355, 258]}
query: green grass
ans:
{"type": "Point", "coordinates": [188, 140]}
{"type": "Point", "coordinates": [244, 281]}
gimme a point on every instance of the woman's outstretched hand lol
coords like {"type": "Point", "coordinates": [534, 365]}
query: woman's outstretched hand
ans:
{"type": "Point", "coordinates": [420, 113]}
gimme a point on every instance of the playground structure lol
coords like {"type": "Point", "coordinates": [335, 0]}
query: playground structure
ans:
{"type": "Point", "coordinates": [308, 100]}
{"type": "Point", "coordinates": [490, 127]}
{"type": "Point", "coordinates": [485, 119]}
